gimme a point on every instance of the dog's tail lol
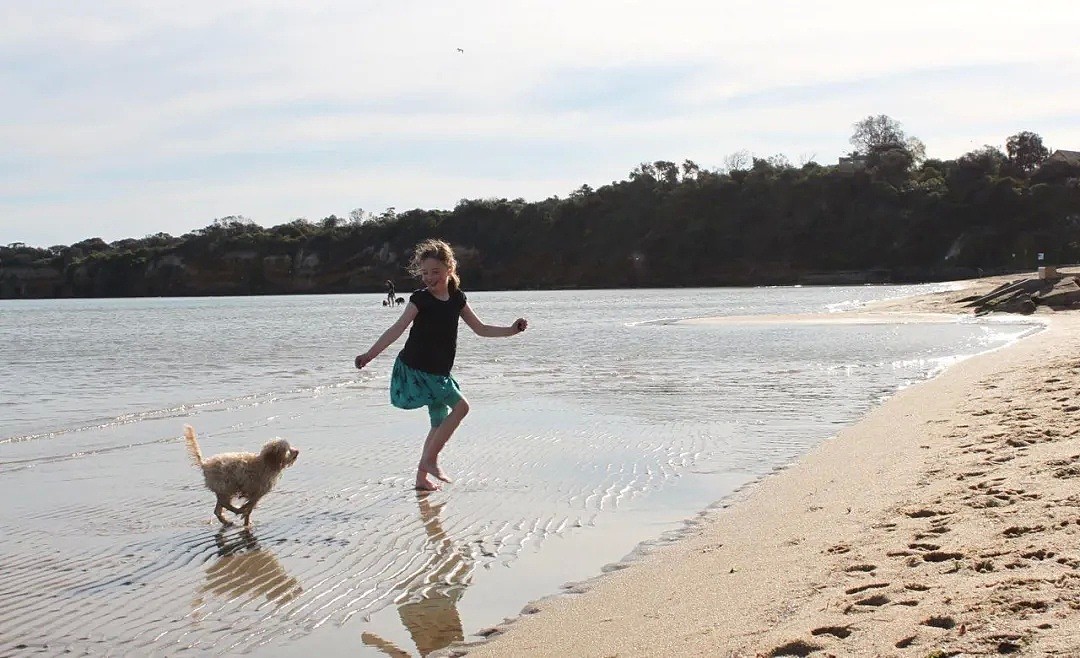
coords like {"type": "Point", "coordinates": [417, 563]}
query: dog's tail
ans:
{"type": "Point", "coordinates": [193, 445]}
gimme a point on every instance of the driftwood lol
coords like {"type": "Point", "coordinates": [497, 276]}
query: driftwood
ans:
{"type": "Point", "coordinates": [1025, 295]}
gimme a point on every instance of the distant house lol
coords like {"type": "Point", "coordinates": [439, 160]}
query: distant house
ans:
{"type": "Point", "coordinates": [851, 164]}
{"type": "Point", "coordinates": [1071, 158]}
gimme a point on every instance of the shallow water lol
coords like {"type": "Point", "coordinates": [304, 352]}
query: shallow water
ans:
{"type": "Point", "coordinates": [597, 429]}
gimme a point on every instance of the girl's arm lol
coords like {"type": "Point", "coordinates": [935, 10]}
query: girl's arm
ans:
{"type": "Point", "coordinates": [489, 330]}
{"type": "Point", "coordinates": [388, 337]}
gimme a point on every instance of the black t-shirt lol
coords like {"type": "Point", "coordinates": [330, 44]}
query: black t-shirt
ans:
{"type": "Point", "coordinates": [432, 341]}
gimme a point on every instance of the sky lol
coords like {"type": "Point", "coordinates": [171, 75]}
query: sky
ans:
{"type": "Point", "coordinates": [125, 118]}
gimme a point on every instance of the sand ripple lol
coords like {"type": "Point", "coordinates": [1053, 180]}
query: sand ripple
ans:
{"type": "Point", "coordinates": [134, 565]}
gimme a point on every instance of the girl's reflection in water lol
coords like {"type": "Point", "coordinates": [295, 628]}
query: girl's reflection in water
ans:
{"type": "Point", "coordinates": [428, 601]}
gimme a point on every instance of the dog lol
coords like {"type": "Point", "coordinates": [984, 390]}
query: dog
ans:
{"type": "Point", "coordinates": [246, 475]}
{"type": "Point", "coordinates": [399, 301]}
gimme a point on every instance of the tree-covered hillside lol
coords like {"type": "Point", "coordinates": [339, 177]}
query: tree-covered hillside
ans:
{"type": "Point", "coordinates": [884, 214]}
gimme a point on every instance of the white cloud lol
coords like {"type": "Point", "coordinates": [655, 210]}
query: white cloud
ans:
{"type": "Point", "coordinates": [113, 105]}
{"type": "Point", "coordinates": [177, 207]}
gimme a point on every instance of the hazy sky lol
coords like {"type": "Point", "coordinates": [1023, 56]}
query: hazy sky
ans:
{"type": "Point", "coordinates": [122, 118]}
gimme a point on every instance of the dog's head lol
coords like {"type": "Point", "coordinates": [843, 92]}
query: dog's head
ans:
{"type": "Point", "coordinates": [278, 454]}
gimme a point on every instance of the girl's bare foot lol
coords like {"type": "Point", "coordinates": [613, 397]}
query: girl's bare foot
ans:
{"type": "Point", "coordinates": [422, 483]}
{"type": "Point", "coordinates": [434, 470]}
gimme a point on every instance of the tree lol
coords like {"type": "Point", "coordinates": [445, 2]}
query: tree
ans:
{"type": "Point", "coordinates": [882, 138]}
{"type": "Point", "coordinates": [738, 161]}
{"type": "Point", "coordinates": [882, 133]}
{"type": "Point", "coordinates": [582, 193]}
{"type": "Point", "coordinates": [875, 132]}
{"type": "Point", "coordinates": [916, 148]}
{"type": "Point", "coordinates": [779, 162]}
{"type": "Point", "coordinates": [986, 161]}
{"type": "Point", "coordinates": [357, 216]}
{"type": "Point", "coordinates": [890, 163]}
{"type": "Point", "coordinates": [667, 171]}
{"type": "Point", "coordinates": [1026, 150]}
{"type": "Point", "coordinates": [644, 171]}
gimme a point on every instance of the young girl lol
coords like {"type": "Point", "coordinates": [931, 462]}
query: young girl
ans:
{"type": "Point", "coordinates": [391, 294]}
{"type": "Point", "coordinates": [421, 375]}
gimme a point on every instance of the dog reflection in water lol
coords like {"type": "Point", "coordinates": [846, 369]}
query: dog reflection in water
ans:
{"type": "Point", "coordinates": [246, 571]}
{"type": "Point", "coordinates": [427, 604]}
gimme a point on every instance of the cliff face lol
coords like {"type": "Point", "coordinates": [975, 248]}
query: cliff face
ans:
{"type": "Point", "coordinates": [309, 268]}
{"type": "Point", "coordinates": [31, 282]}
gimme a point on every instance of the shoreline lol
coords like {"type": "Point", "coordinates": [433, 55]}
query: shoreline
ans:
{"type": "Point", "coordinates": [941, 521]}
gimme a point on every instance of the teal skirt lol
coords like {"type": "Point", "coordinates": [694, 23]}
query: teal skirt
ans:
{"type": "Point", "coordinates": [412, 389]}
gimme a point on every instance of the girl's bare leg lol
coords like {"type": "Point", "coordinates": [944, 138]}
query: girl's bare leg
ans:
{"type": "Point", "coordinates": [436, 440]}
{"type": "Point", "coordinates": [422, 481]}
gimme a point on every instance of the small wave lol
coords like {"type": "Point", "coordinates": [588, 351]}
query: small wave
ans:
{"type": "Point", "coordinates": [656, 322]}
{"type": "Point", "coordinates": [186, 410]}
{"type": "Point", "coordinates": [15, 464]}
{"type": "Point", "coordinates": [892, 293]}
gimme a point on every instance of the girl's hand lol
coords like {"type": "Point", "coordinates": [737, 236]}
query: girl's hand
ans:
{"type": "Point", "coordinates": [521, 324]}
{"type": "Point", "coordinates": [363, 359]}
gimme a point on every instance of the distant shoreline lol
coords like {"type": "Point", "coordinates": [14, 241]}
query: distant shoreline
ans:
{"type": "Point", "coordinates": [816, 280]}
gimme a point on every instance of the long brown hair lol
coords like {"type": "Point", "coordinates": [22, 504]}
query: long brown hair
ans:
{"type": "Point", "coordinates": [440, 251]}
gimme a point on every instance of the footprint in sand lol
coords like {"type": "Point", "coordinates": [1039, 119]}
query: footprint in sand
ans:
{"type": "Point", "coordinates": [796, 648]}
{"type": "Point", "coordinates": [1018, 531]}
{"type": "Point", "coordinates": [939, 622]}
{"type": "Point", "coordinates": [942, 556]}
{"type": "Point", "coordinates": [863, 588]}
{"type": "Point", "coordinates": [937, 527]}
{"type": "Point", "coordinates": [925, 513]}
{"type": "Point", "coordinates": [1007, 643]}
{"type": "Point", "coordinates": [1020, 442]}
{"type": "Point", "coordinates": [1067, 472]}
{"type": "Point", "coordinates": [1023, 608]}
{"type": "Point", "coordinates": [875, 601]}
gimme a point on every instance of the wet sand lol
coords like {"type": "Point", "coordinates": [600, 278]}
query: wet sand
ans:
{"type": "Point", "coordinates": [946, 522]}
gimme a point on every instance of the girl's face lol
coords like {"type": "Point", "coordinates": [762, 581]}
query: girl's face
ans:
{"type": "Point", "coordinates": [434, 274]}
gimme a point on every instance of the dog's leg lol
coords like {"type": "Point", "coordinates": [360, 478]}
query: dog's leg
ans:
{"type": "Point", "coordinates": [223, 502]}
{"type": "Point", "coordinates": [247, 509]}
{"type": "Point", "coordinates": [217, 512]}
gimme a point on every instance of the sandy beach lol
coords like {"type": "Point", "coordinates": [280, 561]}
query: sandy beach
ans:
{"type": "Point", "coordinates": [946, 522]}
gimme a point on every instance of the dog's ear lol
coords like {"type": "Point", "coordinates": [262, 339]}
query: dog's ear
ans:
{"type": "Point", "coordinates": [276, 453]}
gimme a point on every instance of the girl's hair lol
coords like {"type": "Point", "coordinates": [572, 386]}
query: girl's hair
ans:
{"type": "Point", "coordinates": [440, 251]}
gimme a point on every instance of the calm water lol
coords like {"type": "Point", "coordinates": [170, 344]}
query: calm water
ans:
{"type": "Point", "coordinates": [601, 427]}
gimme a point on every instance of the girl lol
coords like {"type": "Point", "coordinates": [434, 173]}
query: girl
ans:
{"type": "Point", "coordinates": [391, 294]}
{"type": "Point", "coordinates": [421, 375]}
